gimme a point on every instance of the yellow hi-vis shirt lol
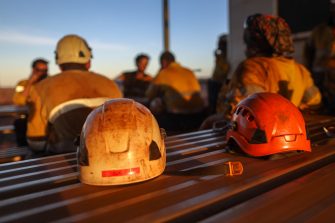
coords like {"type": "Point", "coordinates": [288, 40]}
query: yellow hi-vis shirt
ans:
{"type": "Point", "coordinates": [179, 89]}
{"type": "Point", "coordinates": [18, 97]}
{"type": "Point", "coordinates": [263, 74]}
{"type": "Point", "coordinates": [66, 86]}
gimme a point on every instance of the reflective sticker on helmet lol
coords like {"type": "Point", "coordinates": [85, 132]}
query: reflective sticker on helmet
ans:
{"type": "Point", "coordinates": [120, 172]}
{"type": "Point", "coordinates": [290, 138]}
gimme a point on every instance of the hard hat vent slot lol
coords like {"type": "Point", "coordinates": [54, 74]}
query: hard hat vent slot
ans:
{"type": "Point", "coordinates": [250, 118]}
{"type": "Point", "coordinates": [259, 137]}
{"type": "Point", "coordinates": [81, 54]}
{"type": "Point", "coordinates": [238, 110]}
{"type": "Point", "coordinates": [83, 156]}
{"type": "Point", "coordinates": [154, 152]}
{"type": "Point", "coordinates": [244, 112]}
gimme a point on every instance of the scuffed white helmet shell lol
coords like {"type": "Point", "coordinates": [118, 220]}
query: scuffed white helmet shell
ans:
{"type": "Point", "coordinates": [121, 143]}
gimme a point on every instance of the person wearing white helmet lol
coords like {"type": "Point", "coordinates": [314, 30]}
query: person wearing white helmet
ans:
{"type": "Point", "coordinates": [61, 103]}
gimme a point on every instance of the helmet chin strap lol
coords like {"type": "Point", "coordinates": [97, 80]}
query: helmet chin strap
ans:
{"type": "Point", "coordinates": [330, 131]}
{"type": "Point", "coordinates": [222, 126]}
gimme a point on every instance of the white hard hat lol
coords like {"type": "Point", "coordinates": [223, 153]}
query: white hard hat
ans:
{"type": "Point", "coordinates": [72, 49]}
{"type": "Point", "coordinates": [120, 143]}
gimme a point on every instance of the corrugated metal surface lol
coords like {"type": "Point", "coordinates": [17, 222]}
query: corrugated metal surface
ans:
{"type": "Point", "coordinates": [192, 188]}
{"type": "Point", "coordinates": [310, 198]}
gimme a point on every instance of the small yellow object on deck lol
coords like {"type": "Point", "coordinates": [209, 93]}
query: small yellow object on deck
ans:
{"type": "Point", "coordinates": [17, 158]}
{"type": "Point", "coordinates": [233, 168]}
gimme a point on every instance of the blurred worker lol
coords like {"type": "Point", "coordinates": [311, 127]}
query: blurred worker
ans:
{"type": "Point", "coordinates": [61, 103]}
{"type": "Point", "coordinates": [135, 83]}
{"type": "Point", "coordinates": [319, 56]}
{"type": "Point", "coordinates": [39, 72]}
{"type": "Point", "coordinates": [268, 68]}
{"type": "Point", "coordinates": [175, 95]}
{"type": "Point", "coordinates": [220, 73]}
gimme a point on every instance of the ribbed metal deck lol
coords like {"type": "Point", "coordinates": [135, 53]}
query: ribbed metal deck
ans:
{"type": "Point", "coordinates": [192, 187]}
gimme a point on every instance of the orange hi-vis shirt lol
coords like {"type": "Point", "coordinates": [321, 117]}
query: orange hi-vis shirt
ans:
{"type": "Point", "coordinates": [66, 86]}
{"type": "Point", "coordinates": [264, 74]}
{"type": "Point", "coordinates": [179, 89]}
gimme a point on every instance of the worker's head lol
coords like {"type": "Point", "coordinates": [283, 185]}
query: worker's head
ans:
{"type": "Point", "coordinates": [166, 58]}
{"type": "Point", "coordinates": [222, 43]}
{"type": "Point", "coordinates": [142, 61]}
{"type": "Point", "coordinates": [267, 35]}
{"type": "Point", "coordinates": [221, 50]}
{"type": "Point", "coordinates": [73, 52]}
{"type": "Point", "coordinates": [40, 68]}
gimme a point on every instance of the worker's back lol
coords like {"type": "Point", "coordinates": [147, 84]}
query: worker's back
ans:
{"type": "Point", "coordinates": [279, 75]}
{"type": "Point", "coordinates": [179, 88]}
{"type": "Point", "coordinates": [62, 88]}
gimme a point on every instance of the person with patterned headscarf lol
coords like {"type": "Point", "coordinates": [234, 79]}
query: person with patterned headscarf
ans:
{"type": "Point", "coordinates": [267, 68]}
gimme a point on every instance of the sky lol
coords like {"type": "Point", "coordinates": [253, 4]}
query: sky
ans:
{"type": "Point", "coordinates": [116, 30]}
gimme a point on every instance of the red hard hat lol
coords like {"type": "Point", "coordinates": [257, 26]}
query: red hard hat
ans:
{"type": "Point", "coordinates": [267, 123]}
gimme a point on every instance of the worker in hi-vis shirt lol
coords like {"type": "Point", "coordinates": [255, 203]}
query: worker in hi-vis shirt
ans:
{"type": "Point", "coordinates": [61, 103]}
